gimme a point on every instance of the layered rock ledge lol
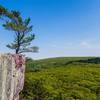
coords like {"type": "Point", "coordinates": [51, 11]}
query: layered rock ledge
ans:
{"type": "Point", "coordinates": [12, 68]}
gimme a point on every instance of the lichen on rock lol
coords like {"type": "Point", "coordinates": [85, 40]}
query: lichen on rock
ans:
{"type": "Point", "coordinates": [12, 68]}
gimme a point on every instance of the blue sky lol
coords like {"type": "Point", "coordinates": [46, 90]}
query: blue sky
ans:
{"type": "Point", "coordinates": [62, 27]}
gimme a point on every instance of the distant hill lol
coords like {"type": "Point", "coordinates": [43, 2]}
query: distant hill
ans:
{"type": "Point", "coordinates": [36, 65]}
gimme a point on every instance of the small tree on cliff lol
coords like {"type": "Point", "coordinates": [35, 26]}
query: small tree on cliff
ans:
{"type": "Point", "coordinates": [22, 29]}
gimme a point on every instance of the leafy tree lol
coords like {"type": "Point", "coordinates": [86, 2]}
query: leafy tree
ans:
{"type": "Point", "coordinates": [29, 59]}
{"type": "Point", "coordinates": [22, 29]}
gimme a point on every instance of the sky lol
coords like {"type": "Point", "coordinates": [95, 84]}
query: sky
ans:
{"type": "Point", "coordinates": [62, 27]}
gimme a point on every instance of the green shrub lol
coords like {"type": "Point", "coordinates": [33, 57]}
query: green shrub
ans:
{"type": "Point", "coordinates": [70, 82]}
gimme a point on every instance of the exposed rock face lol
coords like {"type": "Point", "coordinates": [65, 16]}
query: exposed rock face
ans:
{"type": "Point", "coordinates": [12, 70]}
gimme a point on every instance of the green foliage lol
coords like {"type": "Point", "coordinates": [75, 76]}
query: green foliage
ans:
{"type": "Point", "coordinates": [13, 21]}
{"type": "Point", "coordinates": [3, 11]}
{"type": "Point", "coordinates": [22, 29]}
{"type": "Point", "coordinates": [75, 81]}
{"type": "Point", "coordinates": [61, 62]}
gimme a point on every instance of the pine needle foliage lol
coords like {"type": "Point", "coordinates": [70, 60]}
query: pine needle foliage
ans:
{"type": "Point", "coordinates": [22, 29]}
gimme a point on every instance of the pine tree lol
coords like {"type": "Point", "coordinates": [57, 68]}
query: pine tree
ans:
{"type": "Point", "coordinates": [22, 30]}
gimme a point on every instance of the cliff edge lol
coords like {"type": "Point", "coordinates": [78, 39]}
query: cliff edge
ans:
{"type": "Point", "coordinates": [12, 68]}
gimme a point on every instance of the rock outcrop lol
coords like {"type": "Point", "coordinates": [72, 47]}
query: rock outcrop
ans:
{"type": "Point", "coordinates": [12, 68]}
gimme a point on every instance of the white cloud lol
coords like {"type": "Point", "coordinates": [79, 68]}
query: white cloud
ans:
{"type": "Point", "coordinates": [85, 44]}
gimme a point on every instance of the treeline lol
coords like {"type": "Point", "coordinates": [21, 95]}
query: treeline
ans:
{"type": "Point", "coordinates": [34, 65]}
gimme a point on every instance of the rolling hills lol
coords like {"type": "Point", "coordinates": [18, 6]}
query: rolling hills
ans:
{"type": "Point", "coordinates": [65, 78]}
